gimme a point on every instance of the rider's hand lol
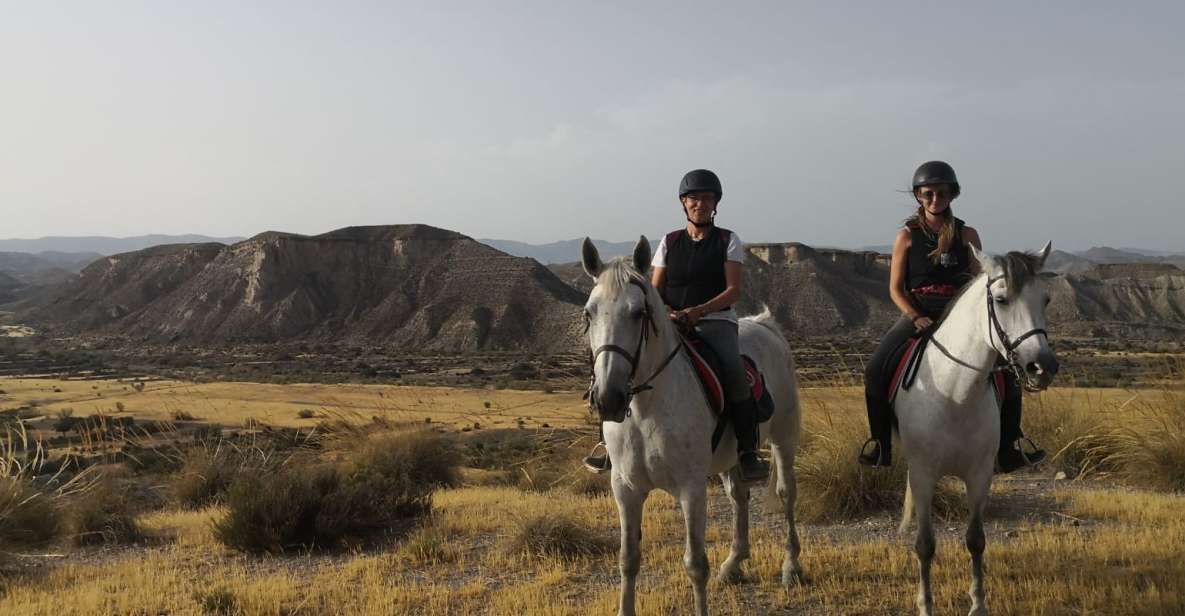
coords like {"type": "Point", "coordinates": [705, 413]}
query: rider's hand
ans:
{"type": "Point", "coordinates": [693, 314]}
{"type": "Point", "coordinates": [922, 323]}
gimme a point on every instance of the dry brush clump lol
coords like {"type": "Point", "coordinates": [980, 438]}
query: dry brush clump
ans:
{"type": "Point", "coordinates": [32, 494]}
{"type": "Point", "coordinates": [558, 534]}
{"type": "Point", "coordinates": [104, 513]}
{"type": "Point", "coordinates": [349, 492]}
{"type": "Point", "coordinates": [833, 486]}
{"type": "Point", "coordinates": [1140, 443]}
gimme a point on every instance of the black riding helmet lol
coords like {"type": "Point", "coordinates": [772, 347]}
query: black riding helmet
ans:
{"type": "Point", "coordinates": [700, 180]}
{"type": "Point", "coordinates": [936, 172]}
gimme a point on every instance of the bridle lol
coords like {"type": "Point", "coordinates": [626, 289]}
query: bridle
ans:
{"type": "Point", "coordinates": [632, 358]}
{"type": "Point", "coordinates": [997, 330]}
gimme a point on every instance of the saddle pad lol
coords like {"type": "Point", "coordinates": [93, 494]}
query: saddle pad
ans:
{"type": "Point", "coordinates": [704, 360]}
{"type": "Point", "coordinates": [904, 357]}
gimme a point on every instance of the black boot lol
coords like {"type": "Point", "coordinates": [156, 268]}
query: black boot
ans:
{"type": "Point", "coordinates": [744, 424]}
{"type": "Point", "coordinates": [880, 425]}
{"type": "Point", "coordinates": [1011, 456]}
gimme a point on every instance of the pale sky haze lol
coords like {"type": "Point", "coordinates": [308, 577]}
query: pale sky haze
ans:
{"type": "Point", "coordinates": [541, 121]}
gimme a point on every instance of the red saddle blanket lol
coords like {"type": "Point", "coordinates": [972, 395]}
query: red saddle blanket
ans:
{"type": "Point", "coordinates": [699, 352]}
{"type": "Point", "coordinates": [907, 353]}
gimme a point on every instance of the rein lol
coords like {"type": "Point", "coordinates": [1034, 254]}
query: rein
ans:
{"type": "Point", "coordinates": [994, 328]}
{"type": "Point", "coordinates": [648, 318]}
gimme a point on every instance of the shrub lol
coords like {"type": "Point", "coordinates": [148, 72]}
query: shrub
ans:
{"type": "Point", "coordinates": [1142, 444]}
{"type": "Point", "coordinates": [103, 514]}
{"type": "Point", "coordinates": [558, 534]}
{"type": "Point", "coordinates": [374, 483]}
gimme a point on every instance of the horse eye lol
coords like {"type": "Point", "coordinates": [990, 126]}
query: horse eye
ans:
{"type": "Point", "coordinates": [1003, 301]}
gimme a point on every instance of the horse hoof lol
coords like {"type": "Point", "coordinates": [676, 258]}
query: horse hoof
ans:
{"type": "Point", "coordinates": [731, 575]}
{"type": "Point", "coordinates": [793, 578]}
{"type": "Point", "coordinates": [978, 611]}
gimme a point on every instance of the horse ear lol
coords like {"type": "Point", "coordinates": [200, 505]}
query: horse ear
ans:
{"type": "Point", "coordinates": [1043, 254]}
{"type": "Point", "coordinates": [590, 258]}
{"type": "Point", "coordinates": [986, 262]}
{"type": "Point", "coordinates": [642, 255]}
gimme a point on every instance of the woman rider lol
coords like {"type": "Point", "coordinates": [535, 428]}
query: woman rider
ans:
{"type": "Point", "coordinates": [930, 262]}
{"type": "Point", "coordinates": [697, 269]}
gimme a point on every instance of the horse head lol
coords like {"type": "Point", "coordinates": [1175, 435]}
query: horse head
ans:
{"type": "Point", "coordinates": [618, 317]}
{"type": "Point", "coordinates": [1015, 306]}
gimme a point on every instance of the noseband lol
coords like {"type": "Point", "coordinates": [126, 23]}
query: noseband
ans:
{"type": "Point", "coordinates": [633, 359]}
{"type": "Point", "coordinates": [994, 328]}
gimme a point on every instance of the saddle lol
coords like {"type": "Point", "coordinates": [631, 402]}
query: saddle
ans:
{"type": "Point", "coordinates": [707, 367]}
{"type": "Point", "coordinates": [905, 361]}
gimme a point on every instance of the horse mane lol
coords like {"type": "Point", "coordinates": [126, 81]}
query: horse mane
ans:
{"type": "Point", "coordinates": [618, 274]}
{"type": "Point", "coordinates": [1019, 269]}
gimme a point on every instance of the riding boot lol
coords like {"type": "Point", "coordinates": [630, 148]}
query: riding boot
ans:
{"type": "Point", "coordinates": [598, 464]}
{"type": "Point", "coordinates": [1011, 456]}
{"type": "Point", "coordinates": [744, 423]}
{"type": "Point", "coordinates": [880, 425]}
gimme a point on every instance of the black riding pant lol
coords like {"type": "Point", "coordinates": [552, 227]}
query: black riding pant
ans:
{"type": "Point", "coordinates": [878, 372]}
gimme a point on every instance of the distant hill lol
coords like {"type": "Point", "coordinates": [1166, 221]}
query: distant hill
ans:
{"type": "Point", "coordinates": [561, 252]}
{"type": "Point", "coordinates": [414, 287]}
{"type": "Point", "coordinates": [103, 245]}
{"type": "Point", "coordinates": [411, 287]}
{"type": "Point", "coordinates": [44, 268]}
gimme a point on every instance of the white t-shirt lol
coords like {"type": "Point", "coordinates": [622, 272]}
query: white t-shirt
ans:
{"type": "Point", "coordinates": [736, 253]}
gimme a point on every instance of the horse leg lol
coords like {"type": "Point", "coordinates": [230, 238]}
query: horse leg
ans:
{"type": "Point", "coordinates": [978, 489]}
{"type": "Point", "coordinates": [922, 486]}
{"type": "Point", "coordinates": [738, 493]}
{"type": "Point", "coordinates": [787, 489]}
{"type": "Point", "coordinates": [629, 508]}
{"type": "Point", "coordinates": [694, 501]}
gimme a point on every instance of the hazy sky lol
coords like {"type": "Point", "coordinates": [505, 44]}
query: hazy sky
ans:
{"type": "Point", "coordinates": [540, 121]}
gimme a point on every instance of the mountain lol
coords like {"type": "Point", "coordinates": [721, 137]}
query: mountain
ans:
{"type": "Point", "coordinates": [406, 286]}
{"type": "Point", "coordinates": [104, 245]}
{"type": "Point", "coordinates": [44, 268]}
{"type": "Point", "coordinates": [562, 252]}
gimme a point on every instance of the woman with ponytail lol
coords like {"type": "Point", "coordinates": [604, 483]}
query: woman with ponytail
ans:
{"type": "Point", "coordinates": [930, 263]}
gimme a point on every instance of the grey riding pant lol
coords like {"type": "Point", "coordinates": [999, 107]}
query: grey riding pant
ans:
{"type": "Point", "coordinates": [722, 337]}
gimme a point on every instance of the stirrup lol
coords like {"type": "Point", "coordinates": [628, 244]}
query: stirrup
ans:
{"type": "Point", "coordinates": [1033, 459]}
{"type": "Point", "coordinates": [866, 459]}
{"type": "Point", "coordinates": [598, 464]}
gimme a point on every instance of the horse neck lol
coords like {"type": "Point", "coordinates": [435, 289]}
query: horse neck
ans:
{"type": "Point", "coordinates": [962, 358]}
{"type": "Point", "coordinates": [670, 381]}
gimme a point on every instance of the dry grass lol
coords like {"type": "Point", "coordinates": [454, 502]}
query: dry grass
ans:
{"type": "Point", "coordinates": [1108, 552]}
{"type": "Point", "coordinates": [229, 404]}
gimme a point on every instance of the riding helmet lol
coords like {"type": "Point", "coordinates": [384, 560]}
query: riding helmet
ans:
{"type": "Point", "coordinates": [700, 180]}
{"type": "Point", "coordinates": [936, 172]}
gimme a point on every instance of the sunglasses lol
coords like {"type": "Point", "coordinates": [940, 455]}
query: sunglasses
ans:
{"type": "Point", "coordinates": [930, 195]}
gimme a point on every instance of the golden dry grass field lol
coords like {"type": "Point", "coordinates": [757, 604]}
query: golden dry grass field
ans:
{"type": "Point", "coordinates": [1107, 540]}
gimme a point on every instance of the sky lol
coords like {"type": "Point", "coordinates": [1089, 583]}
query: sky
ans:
{"type": "Point", "coordinates": [543, 121]}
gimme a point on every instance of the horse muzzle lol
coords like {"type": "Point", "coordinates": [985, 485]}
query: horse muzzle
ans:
{"type": "Point", "coordinates": [1040, 373]}
{"type": "Point", "coordinates": [612, 404]}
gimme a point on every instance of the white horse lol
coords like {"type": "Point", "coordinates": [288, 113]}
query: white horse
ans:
{"type": "Point", "coordinates": [949, 419]}
{"type": "Point", "coordinates": [658, 424]}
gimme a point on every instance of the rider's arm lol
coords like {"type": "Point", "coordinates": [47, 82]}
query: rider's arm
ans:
{"type": "Point", "coordinates": [658, 278]}
{"type": "Point", "coordinates": [897, 289]}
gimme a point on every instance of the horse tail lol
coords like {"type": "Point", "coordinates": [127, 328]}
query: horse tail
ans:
{"type": "Point", "coordinates": [765, 318]}
{"type": "Point", "coordinates": [773, 500]}
{"type": "Point", "coordinates": [907, 508]}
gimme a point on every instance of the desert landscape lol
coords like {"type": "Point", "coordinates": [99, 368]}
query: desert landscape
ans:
{"type": "Point", "coordinates": [157, 460]}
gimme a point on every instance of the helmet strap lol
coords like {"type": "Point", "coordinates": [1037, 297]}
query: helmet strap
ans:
{"type": "Point", "coordinates": [701, 225]}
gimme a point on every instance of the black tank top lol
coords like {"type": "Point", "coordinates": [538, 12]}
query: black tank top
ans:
{"type": "Point", "coordinates": [933, 284]}
{"type": "Point", "coordinates": [695, 270]}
